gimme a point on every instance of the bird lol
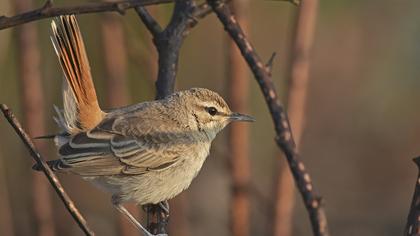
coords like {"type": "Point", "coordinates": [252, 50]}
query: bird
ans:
{"type": "Point", "coordinates": [146, 153]}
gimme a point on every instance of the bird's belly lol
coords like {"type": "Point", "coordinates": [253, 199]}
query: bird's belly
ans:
{"type": "Point", "coordinates": [155, 186]}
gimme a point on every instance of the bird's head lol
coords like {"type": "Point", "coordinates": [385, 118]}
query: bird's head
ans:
{"type": "Point", "coordinates": [210, 111]}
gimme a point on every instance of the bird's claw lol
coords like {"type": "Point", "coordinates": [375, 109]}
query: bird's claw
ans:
{"type": "Point", "coordinates": [164, 206]}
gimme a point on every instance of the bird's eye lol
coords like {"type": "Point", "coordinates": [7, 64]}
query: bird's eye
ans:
{"type": "Point", "coordinates": [211, 110]}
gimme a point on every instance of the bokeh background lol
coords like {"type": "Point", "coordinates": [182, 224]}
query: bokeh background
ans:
{"type": "Point", "coordinates": [362, 115]}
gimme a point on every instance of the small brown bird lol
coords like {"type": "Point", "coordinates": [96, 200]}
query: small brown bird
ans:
{"type": "Point", "coordinates": [145, 153]}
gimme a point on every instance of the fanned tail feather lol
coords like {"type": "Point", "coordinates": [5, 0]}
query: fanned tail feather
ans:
{"type": "Point", "coordinates": [81, 108]}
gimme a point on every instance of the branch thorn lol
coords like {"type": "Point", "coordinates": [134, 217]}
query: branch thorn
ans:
{"type": "Point", "coordinates": [121, 8]}
{"type": "Point", "coordinates": [269, 64]}
{"type": "Point", "coordinates": [48, 4]}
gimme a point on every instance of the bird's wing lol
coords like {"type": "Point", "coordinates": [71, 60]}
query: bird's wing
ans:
{"type": "Point", "coordinates": [113, 148]}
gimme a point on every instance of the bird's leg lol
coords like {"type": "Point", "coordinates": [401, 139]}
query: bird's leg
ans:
{"type": "Point", "coordinates": [130, 217]}
{"type": "Point", "coordinates": [165, 206]}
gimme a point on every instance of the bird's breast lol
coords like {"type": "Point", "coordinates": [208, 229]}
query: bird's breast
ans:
{"type": "Point", "coordinates": [188, 167]}
{"type": "Point", "coordinates": [157, 186]}
{"type": "Point", "coordinates": [179, 177]}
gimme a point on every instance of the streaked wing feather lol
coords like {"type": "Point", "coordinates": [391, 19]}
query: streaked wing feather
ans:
{"type": "Point", "coordinates": [143, 153]}
{"type": "Point", "coordinates": [106, 151]}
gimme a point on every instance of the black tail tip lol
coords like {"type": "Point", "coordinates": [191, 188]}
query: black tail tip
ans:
{"type": "Point", "coordinates": [55, 165]}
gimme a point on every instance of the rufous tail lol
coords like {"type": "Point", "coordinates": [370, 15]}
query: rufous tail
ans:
{"type": "Point", "coordinates": [81, 108]}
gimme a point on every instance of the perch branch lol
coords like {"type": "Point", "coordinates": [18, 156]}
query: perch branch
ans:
{"type": "Point", "coordinates": [284, 138]}
{"type": "Point", "coordinates": [52, 178]}
{"type": "Point", "coordinates": [48, 10]}
{"type": "Point", "coordinates": [168, 42]}
{"type": "Point", "coordinates": [413, 220]}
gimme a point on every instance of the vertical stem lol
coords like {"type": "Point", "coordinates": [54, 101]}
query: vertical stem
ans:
{"type": "Point", "coordinates": [115, 61]}
{"type": "Point", "coordinates": [238, 87]}
{"type": "Point", "coordinates": [298, 75]}
{"type": "Point", "coordinates": [285, 200]}
{"type": "Point", "coordinates": [33, 110]}
{"type": "Point", "coordinates": [168, 44]}
{"type": "Point", "coordinates": [117, 90]}
{"type": "Point", "coordinates": [299, 67]}
{"type": "Point", "coordinates": [6, 217]}
{"type": "Point", "coordinates": [179, 225]}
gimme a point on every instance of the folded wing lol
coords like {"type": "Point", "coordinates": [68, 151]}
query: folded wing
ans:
{"type": "Point", "coordinates": [108, 150]}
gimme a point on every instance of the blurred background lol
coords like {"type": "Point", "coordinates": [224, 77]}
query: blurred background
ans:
{"type": "Point", "coordinates": [361, 116]}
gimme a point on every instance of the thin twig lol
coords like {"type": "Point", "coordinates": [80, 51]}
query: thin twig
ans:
{"type": "Point", "coordinates": [199, 12]}
{"type": "Point", "coordinates": [413, 220]}
{"type": "Point", "coordinates": [48, 10]}
{"type": "Point", "coordinates": [298, 75]}
{"type": "Point", "coordinates": [52, 178]}
{"type": "Point", "coordinates": [284, 138]}
{"type": "Point", "coordinates": [294, 2]}
{"type": "Point", "coordinates": [151, 24]}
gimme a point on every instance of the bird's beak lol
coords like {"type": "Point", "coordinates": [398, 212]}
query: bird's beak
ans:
{"type": "Point", "coordinates": [241, 117]}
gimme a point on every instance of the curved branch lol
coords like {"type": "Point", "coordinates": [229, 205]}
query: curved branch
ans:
{"type": "Point", "coordinates": [48, 10]}
{"type": "Point", "coordinates": [284, 138]}
{"type": "Point", "coordinates": [52, 178]}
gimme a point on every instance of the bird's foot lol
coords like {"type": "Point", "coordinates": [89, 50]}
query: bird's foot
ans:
{"type": "Point", "coordinates": [165, 206]}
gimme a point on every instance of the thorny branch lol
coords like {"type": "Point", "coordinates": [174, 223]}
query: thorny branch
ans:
{"type": "Point", "coordinates": [413, 220]}
{"type": "Point", "coordinates": [284, 138]}
{"type": "Point", "coordinates": [52, 178]}
{"type": "Point", "coordinates": [49, 10]}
